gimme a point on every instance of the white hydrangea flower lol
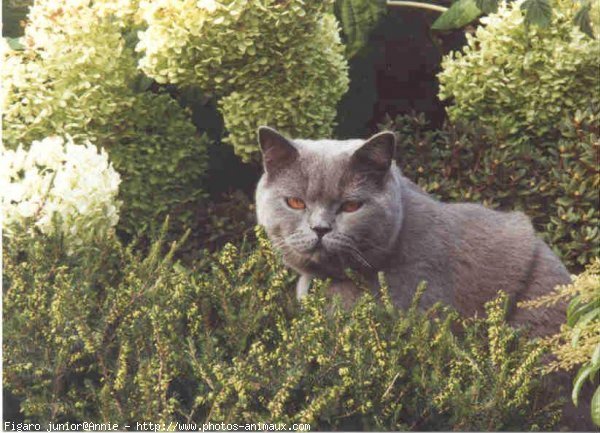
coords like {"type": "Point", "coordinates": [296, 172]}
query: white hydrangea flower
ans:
{"type": "Point", "coordinates": [59, 185]}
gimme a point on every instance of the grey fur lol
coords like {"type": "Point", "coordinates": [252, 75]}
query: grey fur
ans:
{"type": "Point", "coordinates": [465, 252]}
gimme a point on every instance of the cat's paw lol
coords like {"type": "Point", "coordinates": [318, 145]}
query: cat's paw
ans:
{"type": "Point", "coordinates": [302, 286]}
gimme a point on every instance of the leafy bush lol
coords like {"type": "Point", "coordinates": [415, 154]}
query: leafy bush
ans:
{"type": "Point", "coordinates": [59, 184]}
{"type": "Point", "coordinates": [554, 182]}
{"type": "Point", "coordinates": [285, 68]}
{"type": "Point", "coordinates": [109, 335]}
{"type": "Point", "coordinates": [578, 343]}
{"type": "Point", "coordinates": [357, 19]}
{"type": "Point", "coordinates": [77, 75]}
{"type": "Point", "coordinates": [523, 80]}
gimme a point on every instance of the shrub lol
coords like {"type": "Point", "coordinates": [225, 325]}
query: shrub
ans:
{"type": "Point", "coordinates": [578, 342]}
{"type": "Point", "coordinates": [523, 80]}
{"type": "Point", "coordinates": [77, 75]}
{"type": "Point", "coordinates": [554, 182]}
{"type": "Point", "coordinates": [59, 184]}
{"type": "Point", "coordinates": [109, 335]}
{"type": "Point", "coordinates": [271, 62]}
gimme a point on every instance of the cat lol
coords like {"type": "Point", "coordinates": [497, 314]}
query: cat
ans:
{"type": "Point", "coordinates": [329, 205]}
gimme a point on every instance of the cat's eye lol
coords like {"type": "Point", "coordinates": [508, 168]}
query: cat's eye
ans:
{"type": "Point", "coordinates": [351, 206]}
{"type": "Point", "coordinates": [295, 203]}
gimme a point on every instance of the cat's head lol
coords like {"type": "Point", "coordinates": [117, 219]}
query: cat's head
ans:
{"type": "Point", "coordinates": [329, 205]}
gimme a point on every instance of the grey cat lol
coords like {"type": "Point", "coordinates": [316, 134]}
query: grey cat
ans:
{"type": "Point", "coordinates": [331, 205]}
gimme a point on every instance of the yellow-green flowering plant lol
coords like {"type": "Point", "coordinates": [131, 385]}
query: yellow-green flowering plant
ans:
{"type": "Point", "coordinates": [111, 334]}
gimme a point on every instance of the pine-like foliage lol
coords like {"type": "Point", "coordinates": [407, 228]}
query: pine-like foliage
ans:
{"type": "Point", "coordinates": [106, 334]}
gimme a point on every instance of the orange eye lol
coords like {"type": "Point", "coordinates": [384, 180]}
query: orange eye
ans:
{"type": "Point", "coordinates": [295, 203]}
{"type": "Point", "coordinates": [351, 206]}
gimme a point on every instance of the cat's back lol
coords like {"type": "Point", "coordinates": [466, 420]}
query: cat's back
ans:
{"type": "Point", "coordinates": [468, 252]}
{"type": "Point", "coordinates": [495, 250]}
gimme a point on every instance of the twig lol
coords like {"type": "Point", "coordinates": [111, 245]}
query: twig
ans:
{"type": "Point", "coordinates": [420, 5]}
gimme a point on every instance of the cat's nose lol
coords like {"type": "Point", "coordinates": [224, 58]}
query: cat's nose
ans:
{"type": "Point", "coordinates": [321, 230]}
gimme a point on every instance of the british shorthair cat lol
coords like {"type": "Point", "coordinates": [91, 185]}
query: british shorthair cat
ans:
{"type": "Point", "coordinates": [330, 205]}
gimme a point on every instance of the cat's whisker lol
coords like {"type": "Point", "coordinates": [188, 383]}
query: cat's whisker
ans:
{"type": "Point", "coordinates": [355, 253]}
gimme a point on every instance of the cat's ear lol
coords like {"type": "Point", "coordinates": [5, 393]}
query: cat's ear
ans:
{"type": "Point", "coordinates": [376, 154]}
{"type": "Point", "coordinates": [277, 151]}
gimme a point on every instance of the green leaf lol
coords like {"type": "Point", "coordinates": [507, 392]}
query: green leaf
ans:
{"type": "Point", "coordinates": [583, 21]}
{"type": "Point", "coordinates": [357, 19]}
{"type": "Point", "coordinates": [538, 12]}
{"type": "Point", "coordinates": [574, 315]}
{"type": "Point", "coordinates": [461, 13]}
{"type": "Point", "coordinates": [582, 375]}
{"type": "Point", "coordinates": [596, 407]}
{"type": "Point", "coordinates": [487, 6]}
{"type": "Point", "coordinates": [15, 43]}
{"type": "Point", "coordinates": [596, 356]}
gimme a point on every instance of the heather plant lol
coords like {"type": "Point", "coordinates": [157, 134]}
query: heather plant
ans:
{"type": "Point", "coordinates": [111, 334]}
{"type": "Point", "coordinates": [523, 80]}
{"type": "Point", "coordinates": [555, 182]}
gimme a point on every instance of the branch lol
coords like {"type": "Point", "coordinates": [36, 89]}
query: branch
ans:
{"type": "Point", "coordinates": [420, 5]}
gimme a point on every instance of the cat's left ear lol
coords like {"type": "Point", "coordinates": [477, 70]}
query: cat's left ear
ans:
{"type": "Point", "coordinates": [376, 154]}
{"type": "Point", "coordinates": [277, 151]}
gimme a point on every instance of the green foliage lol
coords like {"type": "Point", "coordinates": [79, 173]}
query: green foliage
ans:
{"type": "Point", "coordinates": [525, 99]}
{"type": "Point", "coordinates": [77, 75]}
{"type": "Point", "coordinates": [487, 6]}
{"type": "Point", "coordinates": [582, 19]}
{"type": "Point", "coordinates": [358, 18]}
{"type": "Point", "coordinates": [458, 15]}
{"type": "Point", "coordinates": [578, 342]}
{"type": "Point", "coordinates": [107, 334]}
{"type": "Point", "coordinates": [298, 110]}
{"type": "Point", "coordinates": [537, 12]}
{"type": "Point", "coordinates": [555, 182]}
{"type": "Point", "coordinates": [285, 68]}
{"type": "Point", "coordinates": [583, 319]}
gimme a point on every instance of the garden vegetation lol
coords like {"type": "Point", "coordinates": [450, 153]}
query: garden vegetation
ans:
{"type": "Point", "coordinates": [99, 148]}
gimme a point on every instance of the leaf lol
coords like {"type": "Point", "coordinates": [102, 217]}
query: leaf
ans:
{"type": "Point", "coordinates": [538, 12]}
{"type": "Point", "coordinates": [595, 407]}
{"type": "Point", "coordinates": [461, 13]}
{"type": "Point", "coordinates": [582, 375]}
{"type": "Point", "coordinates": [15, 43]}
{"type": "Point", "coordinates": [596, 356]}
{"type": "Point", "coordinates": [575, 314]}
{"type": "Point", "coordinates": [487, 6]}
{"type": "Point", "coordinates": [357, 19]}
{"type": "Point", "coordinates": [583, 21]}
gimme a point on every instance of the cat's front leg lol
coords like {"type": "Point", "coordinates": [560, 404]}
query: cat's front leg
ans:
{"type": "Point", "coordinates": [302, 286]}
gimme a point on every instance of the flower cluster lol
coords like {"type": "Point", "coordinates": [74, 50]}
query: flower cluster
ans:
{"type": "Point", "coordinates": [77, 75]}
{"type": "Point", "coordinates": [58, 185]}
{"type": "Point", "coordinates": [522, 80]}
{"type": "Point", "coordinates": [271, 62]}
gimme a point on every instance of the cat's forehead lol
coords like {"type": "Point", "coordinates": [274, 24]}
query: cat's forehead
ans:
{"type": "Point", "coordinates": [322, 170]}
{"type": "Point", "coordinates": [332, 150]}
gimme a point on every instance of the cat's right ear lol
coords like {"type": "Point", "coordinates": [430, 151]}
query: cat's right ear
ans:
{"type": "Point", "coordinates": [277, 151]}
